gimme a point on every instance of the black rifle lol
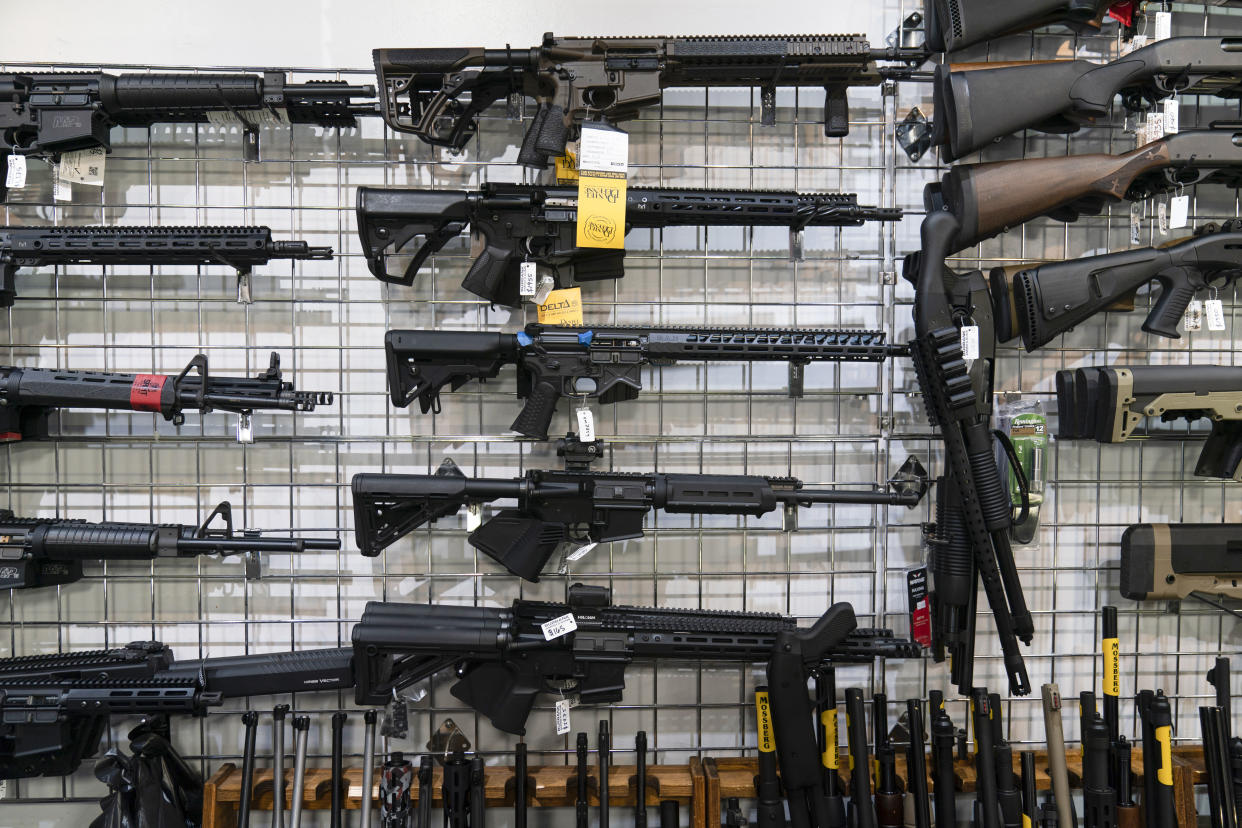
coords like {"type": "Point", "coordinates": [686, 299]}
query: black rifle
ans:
{"type": "Point", "coordinates": [578, 507]}
{"type": "Point", "coordinates": [604, 363]}
{"type": "Point", "coordinates": [987, 812]}
{"type": "Point", "coordinates": [503, 661]}
{"type": "Point", "coordinates": [1106, 404]}
{"type": "Point", "coordinates": [973, 514]}
{"type": "Point", "coordinates": [975, 107]}
{"type": "Point", "coordinates": [1039, 302]}
{"type": "Point", "coordinates": [1008, 792]}
{"type": "Point", "coordinates": [36, 552]}
{"type": "Point", "coordinates": [240, 248]}
{"type": "Point", "coordinates": [956, 24]}
{"type": "Point", "coordinates": [438, 94]}
{"type": "Point", "coordinates": [916, 764]}
{"type": "Point", "coordinates": [862, 808]}
{"type": "Point", "coordinates": [987, 199]}
{"type": "Point", "coordinates": [48, 113]}
{"type": "Point", "coordinates": [28, 396]}
{"type": "Point", "coordinates": [537, 223]}
{"type": "Point", "coordinates": [771, 808]}
{"type": "Point", "coordinates": [54, 708]}
{"type": "Point", "coordinates": [944, 781]}
{"type": "Point", "coordinates": [1171, 561]}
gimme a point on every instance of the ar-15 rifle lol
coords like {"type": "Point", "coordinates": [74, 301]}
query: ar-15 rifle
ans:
{"type": "Point", "coordinates": [240, 248]}
{"type": "Point", "coordinates": [438, 94]}
{"type": "Point", "coordinates": [604, 363]}
{"type": "Point", "coordinates": [973, 514]}
{"type": "Point", "coordinates": [54, 708]}
{"type": "Point", "coordinates": [1106, 404]}
{"type": "Point", "coordinates": [974, 105]}
{"type": "Point", "coordinates": [44, 114]}
{"type": "Point", "coordinates": [37, 552]}
{"type": "Point", "coordinates": [537, 223]}
{"type": "Point", "coordinates": [579, 507]}
{"type": "Point", "coordinates": [1042, 301]}
{"type": "Point", "coordinates": [987, 199]}
{"type": "Point", "coordinates": [956, 24]}
{"type": "Point", "coordinates": [504, 660]}
{"type": "Point", "coordinates": [1171, 561]}
{"type": "Point", "coordinates": [28, 396]}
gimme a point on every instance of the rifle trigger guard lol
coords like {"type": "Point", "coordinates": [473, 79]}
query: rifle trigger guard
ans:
{"type": "Point", "coordinates": [198, 364]}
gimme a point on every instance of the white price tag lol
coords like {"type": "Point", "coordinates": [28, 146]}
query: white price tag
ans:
{"type": "Point", "coordinates": [562, 717]}
{"type": "Point", "coordinates": [1172, 116]}
{"type": "Point", "coordinates": [526, 279]}
{"type": "Point", "coordinates": [15, 178]}
{"type": "Point", "coordinates": [970, 341]}
{"type": "Point", "coordinates": [83, 166]}
{"type": "Point", "coordinates": [1162, 217]}
{"type": "Point", "coordinates": [1193, 320]}
{"type": "Point", "coordinates": [561, 625]}
{"type": "Point", "coordinates": [62, 190]}
{"type": "Point", "coordinates": [1136, 42]}
{"type": "Point", "coordinates": [546, 285]}
{"type": "Point", "coordinates": [474, 516]}
{"type": "Point", "coordinates": [1164, 25]}
{"type": "Point", "coordinates": [603, 149]}
{"type": "Point", "coordinates": [1155, 126]}
{"type": "Point", "coordinates": [1214, 309]}
{"type": "Point", "coordinates": [1179, 211]}
{"type": "Point", "coordinates": [1136, 223]}
{"type": "Point", "coordinates": [581, 551]}
{"type": "Point", "coordinates": [586, 425]}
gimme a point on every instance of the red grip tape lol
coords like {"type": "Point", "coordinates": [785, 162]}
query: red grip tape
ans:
{"type": "Point", "coordinates": [145, 393]}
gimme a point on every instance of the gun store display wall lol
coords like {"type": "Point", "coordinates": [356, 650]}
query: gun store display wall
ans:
{"type": "Point", "coordinates": [573, 427]}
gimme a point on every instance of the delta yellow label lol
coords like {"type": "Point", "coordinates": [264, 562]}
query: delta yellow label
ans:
{"type": "Point", "coordinates": [601, 209]}
{"type": "Point", "coordinates": [567, 168]}
{"type": "Point", "coordinates": [562, 307]}
{"type": "Point", "coordinates": [1112, 666]}
{"type": "Point", "coordinates": [763, 715]}
{"type": "Point", "coordinates": [831, 757]}
{"type": "Point", "coordinates": [1164, 737]}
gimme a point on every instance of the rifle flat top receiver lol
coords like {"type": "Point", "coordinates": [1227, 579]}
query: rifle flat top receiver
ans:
{"type": "Point", "coordinates": [439, 94]}
{"type": "Point", "coordinates": [240, 248]}
{"type": "Point", "coordinates": [956, 24]}
{"type": "Point", "coordinates": [28, 396]}
{"type": "Point", "coordinates": [1107, 404]}
{"type": "Point", "coordinates": [528, 222]}
{"type": "Point", "coordinates": [504, 661]}
{"type": "Point", "coordinates": [49, 113]}
{"type": "Point", "coordinates": [1170, 561]}
{"type": "Point", "coordinates": [1041, 301]}
{"type": "Point", "coordinates": [975, 105]}
{"type": "Point", "coordinates": [579, 507]}
{"type": "Point", "coordinates": [37, 552]}
{"type": "Point", "coordinates": [987, 199]}
{"type": "Point", "coordinates": [604, 363]}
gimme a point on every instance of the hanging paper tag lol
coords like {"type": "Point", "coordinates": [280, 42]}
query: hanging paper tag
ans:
{"type": "Point", "coordinates": [1136, 222]}
{"type": "Point", "coordinates": [1164, 26]}
{"type": "Point", "coordinates": [567, 167]}
{"type": "Point", "coordinates": [1172, 116]}
{"type": "Point", "coordinates": [83, 166]}
{"type": "Point", "coordinates": [920, 605]}
{"type": "Point", "coordinates": [1155, 126]}
{"type": "Point", "coordinates": [1193, 319]}
{"type": "Point", "coordinates": [1162, 217]}
{"type": "Point", "coordinates": [603, 162]}
{"type": "Point", "coordinates": [15, 177]}
{"type": "Point", "coordinates": [562, 717]}
{"type": "Point", "coordinates": [474, 516]}
{"type": "Point", "coordinates": [970, 341]}
{"type": "Point", "coordinates": [1179, 210]}
{"type": "Point", "coordinates": [561, 625]}
{"type": "Point", "coordinates": [586, 425]}
{"type": "Point", "coordinates": [546, 285]}
{"type": "Point", "coordinates": [562, 307]}
{"type": "Point", "coordinates": [526, 278]}
{"type": "Point", "coordinates": [1136, 42]}
{"type": "Point", "coordinates": [581, 551]}
{"type": "Point", "coordinates": [1214, 310]}
{"type": "Point", "coordinates": [62, 190]}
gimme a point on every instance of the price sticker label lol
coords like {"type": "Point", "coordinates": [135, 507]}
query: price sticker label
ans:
{"type": "Point", "coordinates": [1214, 309]}
{"type": "Point", "coordinates": [561, 625]}
{"type": "Point", "coordinates": [1179, 211]}
{"type": "Point", "coordinates": [474, 516]}
{"type": "Point", "coordinates": [1172, 116]}
{"type": "Point", "coordinates": [62, 190]}
{"type": "Point", "coordinates": [83, 166]}
{"type": "Point", "coordinates": [546, 285]}
{"type": "Point", "coordinates": [15, 176]}
{"type": "Point", "coordinates": [1136, 223]}
{"type": "Point", "coordinates": [603, 149]}
{"type": "Point", "coordinates": [1162, 218]}
{"type": "Point", "coordinates": [1193, 319]}
{"type": "Point", "coordinates": [581, 551]}
{"type": "Point", "coordinates": [970, 341]}
{"type": "Point", "coordinates": [526, 278]}
{"type": "Point", "coordinates": [562, 717]}
{"type": "Point", "coordinates": [586, 425]}
{"type": "Point", "coordinates": [1164, 26]}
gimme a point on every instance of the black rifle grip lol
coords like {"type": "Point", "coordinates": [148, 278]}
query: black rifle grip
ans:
{"type": "Point", "coordinates": [489, 276]}
{"type": "Point", "coordinates": [1171, 306]}
{"type": "Point", "coordinates": [1222, 452]}
{"type": "Point", "coordinates": [536, 416]}
{"type": "Point", "coordinates": [836, 111]}
{"type": "Point", "coordinates": [552, 134]}
{"type": "Point", "coordinates": [529, 154]}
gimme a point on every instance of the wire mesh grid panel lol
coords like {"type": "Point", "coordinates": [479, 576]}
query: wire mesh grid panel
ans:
{"type": "Point", "coordinates": [854, 424]}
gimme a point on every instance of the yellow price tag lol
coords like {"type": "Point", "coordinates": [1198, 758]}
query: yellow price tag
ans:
{"type": "Point", "coordinates": [831, 758]}
{"type": "Point", "coordinates": [763, 712]}
{"type": "Point", "coordinates": [562, 307]}
{"type": "Point", "coordinates": [601, 209]}
{"type": "Point", "coordinates": [1164, 774]}
{"type": "Point", "coordinates": [1112, 667]}
{"type": "Point", "coordinates": [567, 168]}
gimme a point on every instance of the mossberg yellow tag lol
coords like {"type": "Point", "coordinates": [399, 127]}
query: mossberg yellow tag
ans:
{"type": "Point", "coordinates": [562, 307]}
{"type": "Point", "coordinates": [1026, 821]}
{"type": "Point", "coordinates": [831, 758]}
{"type": "Point", "coordinates": [601, 209]}
{"type": "Point", "coordinates": [849, 755]}
{"type": "Point", "coordinates": [1112, 666]}
{"type": "Point", "coordinates": [1164, 774]}
{"type": "Point", "coordinates": [567, 168]}
{"type": "Point", "coordinates": [763, 714]}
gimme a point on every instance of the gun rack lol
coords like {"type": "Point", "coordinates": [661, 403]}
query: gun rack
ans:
{"type": "Point", "coordinates": [701, 784]}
